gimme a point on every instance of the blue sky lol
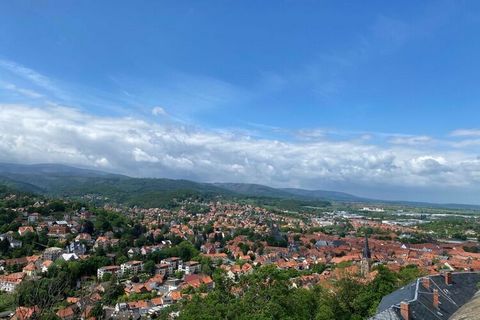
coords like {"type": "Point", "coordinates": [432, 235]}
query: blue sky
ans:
{"type": "Point", "coordinates": [375, 91]}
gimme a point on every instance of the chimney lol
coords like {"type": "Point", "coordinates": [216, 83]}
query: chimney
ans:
{"type": "Point", "coordinates": [435, 298]}
{"type": "Point", "coordinates": [426, 282]}
{"type": "Point", "coordinates": [448, 278]}
{"type": "Point", "coordinates": [405, 310]}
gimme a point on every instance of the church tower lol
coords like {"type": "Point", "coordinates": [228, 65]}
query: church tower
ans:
{"type": "Point", "coordinates": [366, 258]}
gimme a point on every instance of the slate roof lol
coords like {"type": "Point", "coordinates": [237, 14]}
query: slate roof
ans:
{"type": "Point", "coordinates": [420, 298]}
{"type": "Point", "coordinates": [405, 293]}
{"type": "Point", "coordinates": [322, 243]}
{"type": "Point", "coordinates": [388, 314]}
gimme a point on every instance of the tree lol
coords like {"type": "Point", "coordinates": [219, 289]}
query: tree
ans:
{"type": "Point", "coordinates": [88, 227]}
{"type": "Point", "coordinates": [409, 273]}
{"type": "Point", "coordinates": [318, 268]}
{"type": "Point", "coordinates": [43, 293]}
{"type": "Point", "coordinates": [106, 277]}
{"type": "Point", "coordinates": [205, 265]}
{"type": "Point", "coordinates": [4, 247]}
{"type": "Point", "coordinates": [97, 311]}
{"type": "Point", "coordinates": [186, 251]}
{"type": "Point", "coordinates": [112, 292]}
{"type": "Point", "coordinates": [149, 267]}
{"type": "Point", "coordinates": [7, 302]}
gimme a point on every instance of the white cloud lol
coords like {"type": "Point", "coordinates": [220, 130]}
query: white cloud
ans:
{"type": "Point", "coordinates": [141, 156]}
{"type": "Point", "coordinates": [29, 74]}
{"type": "Point", "coordinates": [24, 92]}
{"type": "Point", "coordinates": [102, 162]}
{"type": "Point", "coordinates": [466, 133]}
{"type": "Point", "coordinates": [159, 111]}
{"type": "Point", "coordinates": [410, 140]}
{"type": "Point", "coordinates": [141, 148]}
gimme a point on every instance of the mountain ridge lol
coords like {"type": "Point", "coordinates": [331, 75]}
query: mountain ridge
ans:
{"type": "Point", "coordinates": [64, 180]}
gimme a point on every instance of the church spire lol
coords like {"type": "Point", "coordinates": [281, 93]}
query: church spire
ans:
{"type": "Point", "coordinates": [366, 250]}
{"type": "Point", "coordinates": [366, 258]}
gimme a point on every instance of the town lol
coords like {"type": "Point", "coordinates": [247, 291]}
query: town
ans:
{"type": "Point", "coordinates": [74, 261]}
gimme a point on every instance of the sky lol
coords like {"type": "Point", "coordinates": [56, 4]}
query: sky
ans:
{"type": "Point", "coordinates": [379, 99]}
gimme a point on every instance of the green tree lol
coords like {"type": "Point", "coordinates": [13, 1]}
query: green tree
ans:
{"type": "Point", "coordinates": [113, 291]}
{"type": "Point", "coordinates": [149, 267]}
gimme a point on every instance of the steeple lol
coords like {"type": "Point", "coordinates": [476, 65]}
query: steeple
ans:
{"type": "Point", "coordinates": [366, 258]}
{"type": "Point", "coordinates": [366, 250]}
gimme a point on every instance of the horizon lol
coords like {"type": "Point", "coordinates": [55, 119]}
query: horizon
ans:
{"type": "Point", "coordinates": [376, 201]}
{"type": "Point", "coordinates": [375, 100]}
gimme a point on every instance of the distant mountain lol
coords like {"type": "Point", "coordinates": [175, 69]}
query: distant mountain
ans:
{"type": "Point", "coordinates": [13, 185]}
{"type": "Point", "coordinates": [301, 194]}
{"type": "Point", "coordinates": [50, 178]}
{"type": "Point", "coordinates": [67, 181]}
{"type": "Point", "coordinates": [322, 194]}
{"type": "Point", "coordinates": [8, 187]}
{"type": "Point", "coordinates": [256, 190]}
{"type": "Point", "coordinates": [48, 168]}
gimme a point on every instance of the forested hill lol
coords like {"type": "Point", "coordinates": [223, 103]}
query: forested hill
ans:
{"type": "Point", "coordinates": [65, 181]}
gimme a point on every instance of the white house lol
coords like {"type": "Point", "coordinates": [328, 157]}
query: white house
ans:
{"type": "Point", "coordinates": [132, 267]}
{"type": "Point", "coordinates": [190, 267]}
{"type": "Point", "coordinates": [113, 270]}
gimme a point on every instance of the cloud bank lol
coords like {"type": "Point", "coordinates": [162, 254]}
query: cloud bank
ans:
{"type": "Point", "coordinates": [143, 148]}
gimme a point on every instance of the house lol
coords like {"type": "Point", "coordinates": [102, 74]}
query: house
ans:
{"type": "Point", "coordinates": [52, 253]}
{"type": "Point", "coordinates": [6, 236]}
{"type": "Point", "coordinates": [162, 269]}
{"type": "Point", "coordinates": [140, 306]}
{"type": "Point", "coordinates": [121, 306]}
{"type": "Point", "coordinates": [137, 288]}
{"type": "Point", "coordinates": [16, 262]}
{"type": "Point", "coordinates": [84, 237]}
{"type": "Point", "coordinates": [58, 231]}
{"type": "Point", "coordinates": [149, 249]}
{"type": "Point", "coordinates": [155, 282]}
{"type": "Point", "coordinates": [236, 270]}
{"type": "Point", "coordinates": [8, 283]}
{"type": "Point", "coordinates": [104, 242]}
{"type": "Point", "coordinates": [30, 269]}
{"type": "Point", "coordinates": [136, 309]}
{"type": "Point", "coordinates": [197, 280]}
{"type": "Point", "coordinates": [68, 313]}
{"type": "Point", "coordinates": [15, 244]}
{"type": "Point", "coordinates": [45, 265]}
{"type": "Point", "coordinates": [113, 270]}
{"type": "Point", "coordinates": [33, 217]}
{"type": "Point", "coordinates": [85, 215]}
{"type": "Point", "coordinates": [24, 229]}
{"type": "Point", "coordinates": [172, 263]}
{"type": "Point", "coordinates": [190, 267]}
{"type": "Point", "coordinates": [156, 301]}
{"type": "Point", "coordinates": [76, 247]}
{"type": "Point", "coordinates": [431, 297]}
{"type": "Point", "coordinates": [131, 267]}
{"type": "Point", "coordinates": [69, 257]}
{"type": "Point", "coordinates": [208, 248]}
{"type": "Point", "coordinates": [173, 296]}
{"type": "Point", "coordinates": [23, 313]}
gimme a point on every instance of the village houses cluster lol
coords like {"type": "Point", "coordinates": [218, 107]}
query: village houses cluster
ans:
{"type": "Point", "coordinates": [235, 238]}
